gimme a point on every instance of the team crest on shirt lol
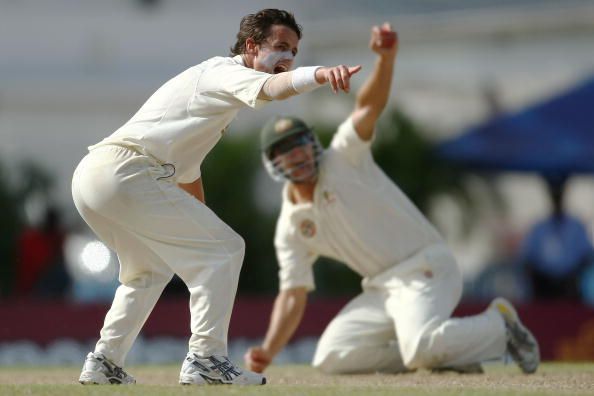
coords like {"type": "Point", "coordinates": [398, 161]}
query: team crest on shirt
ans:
{"type": "Point", "coordinates": [307, 228]}
{"type": "Point", "coordinates": [283, 125]}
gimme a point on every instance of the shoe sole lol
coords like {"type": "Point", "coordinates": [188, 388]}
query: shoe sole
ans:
{"type": "Point", "coordinates": [511, 316]}
{"type": "Point", "coordinates": [93, 378]}
{"type": "Point", "coordinates": [190, 380]}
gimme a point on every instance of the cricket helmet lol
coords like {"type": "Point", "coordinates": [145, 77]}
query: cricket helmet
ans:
{"type": "Point", "coordinates": [281, 135]}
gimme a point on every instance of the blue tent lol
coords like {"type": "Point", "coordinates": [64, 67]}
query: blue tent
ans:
{"type": "Point", "coordinates": [555, 137]}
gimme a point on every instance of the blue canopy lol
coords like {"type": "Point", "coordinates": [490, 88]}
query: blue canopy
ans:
{"type": "Point", "coordinates": [554, 137]}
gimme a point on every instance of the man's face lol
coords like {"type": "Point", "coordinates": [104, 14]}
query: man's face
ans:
{"type": "Point", "coordinates": [296, 157]}
{"type": "Point", "coordinates": [277, 53]}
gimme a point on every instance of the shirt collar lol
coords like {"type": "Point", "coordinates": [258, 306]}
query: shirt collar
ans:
{"type": "Point", "coordinates": [239, 59]}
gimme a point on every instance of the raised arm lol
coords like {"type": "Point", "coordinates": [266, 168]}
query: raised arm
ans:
{"type": "Point", "coordinates": [304, 79]}
{"type": "Point", "coordinates": [373, 95]}
{"type": "Point", "coordinates": [286, 315]}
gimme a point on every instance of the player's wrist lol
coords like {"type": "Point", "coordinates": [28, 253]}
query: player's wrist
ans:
{"type": "Point", "coordinates": [387, 56]}
{"type": "Point", "coordinates": [268, 353]}
{"type": "Point", "coordinates": [386, 61]}
{"type": "Point", "coordinates": [303, 79]}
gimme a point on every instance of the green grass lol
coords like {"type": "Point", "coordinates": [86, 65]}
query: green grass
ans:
{"type": "Point", "coordinates": [551, 379]}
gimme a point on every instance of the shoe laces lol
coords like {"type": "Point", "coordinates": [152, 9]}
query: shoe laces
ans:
{"type": "Point", "coordinates": [113, 370]}
{"type": "Point", "coordinates": [119, 372]}
{"type": "Point", "coordinates": [218, 364]}
{"type": "Point", "coordinates": [227, 369]}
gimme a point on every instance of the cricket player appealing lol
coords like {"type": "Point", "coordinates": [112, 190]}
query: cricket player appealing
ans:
{"type": "Point", "coordinates": [338, 203]}
{"type": "Point", "coordinates": [140, 191]}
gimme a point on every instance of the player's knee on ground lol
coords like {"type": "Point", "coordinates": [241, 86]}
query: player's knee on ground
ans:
{"type": "Point", "coordinates": [333, 362]}
{"type": "Point", "coordinates": [361, 359]}
{"type": "Point", "coordinates": [330, 355]}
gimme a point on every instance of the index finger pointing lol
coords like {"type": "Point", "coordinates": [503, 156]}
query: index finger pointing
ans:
{"type": "Point", "coordinates": [354, 69]}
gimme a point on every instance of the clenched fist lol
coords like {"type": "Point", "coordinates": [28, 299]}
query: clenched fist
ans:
{"type": "Point", "coordinates": [384, 40]}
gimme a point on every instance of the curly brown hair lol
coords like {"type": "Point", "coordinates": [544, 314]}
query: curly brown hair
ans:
{"type": "Point", "coordinates": [257, 26]}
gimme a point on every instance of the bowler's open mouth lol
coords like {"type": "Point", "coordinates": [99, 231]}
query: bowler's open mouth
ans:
{"type": "Point", "coordinates": [280, 69]}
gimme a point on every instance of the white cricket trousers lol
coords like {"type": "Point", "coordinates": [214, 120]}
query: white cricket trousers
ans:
{"type": "Point", "coordinates": [402, 320]}
{"type": "Point", "coordinates": [157, 229]}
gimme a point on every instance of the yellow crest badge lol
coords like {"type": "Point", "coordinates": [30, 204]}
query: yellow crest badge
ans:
{"type": "Point", "coordinates": [307, 228]}
{"type": "Point", "coordinates": [282, 125]}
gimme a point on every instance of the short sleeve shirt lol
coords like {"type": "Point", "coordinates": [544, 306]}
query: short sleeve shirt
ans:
{"type": "Point", "coordinates": [358, 216]}
{"type": "Point", "coordinates": [184, 119]}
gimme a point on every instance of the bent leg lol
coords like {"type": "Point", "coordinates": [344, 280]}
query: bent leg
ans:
{"type": "Point", "coordinates": [360, 339]}
{"type": "Point", "coordinates": [134, 300]}
{"type": "Point", "coordinates": [178, 232]}
{"type": "Point", "coordinates": [421, 307]}
{"type": "Point", "coordinates": [206, 254]}
{"type": "Point", "coordinates": [143, 276]}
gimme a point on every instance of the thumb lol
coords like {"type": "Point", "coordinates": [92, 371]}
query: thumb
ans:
{"type": "Point", "coordinates": [354, 69]}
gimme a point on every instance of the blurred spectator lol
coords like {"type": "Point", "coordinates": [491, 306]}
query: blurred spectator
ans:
{"type": "Point", "coordinates": [40, 258]}
{"type": "Point", "coordinates": [556, 250]}
{"type": "Point", "coordinates": [587, 287]}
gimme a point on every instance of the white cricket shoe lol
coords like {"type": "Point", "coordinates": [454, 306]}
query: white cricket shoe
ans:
{"type": "Point", "coordinates": [100, 370]}
{"type": "Point", "coordinates": [521, 344]}
{"type": "Point", "coordinates": [214, 370]}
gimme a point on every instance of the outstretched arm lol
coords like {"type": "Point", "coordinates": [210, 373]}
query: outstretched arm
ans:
{"type": "Point", "coordinates": [373, 95]}
{"type": "Point", "coordinates": [286, 315]}
{"type": "Point", "coordinates": [283, 85]}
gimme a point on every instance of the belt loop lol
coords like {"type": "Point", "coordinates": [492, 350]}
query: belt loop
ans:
{"type": "Point", "coordinates": [172, 171]}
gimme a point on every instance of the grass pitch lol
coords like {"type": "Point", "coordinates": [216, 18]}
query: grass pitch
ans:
{"type": "Point", "coordinates": [551, 379]}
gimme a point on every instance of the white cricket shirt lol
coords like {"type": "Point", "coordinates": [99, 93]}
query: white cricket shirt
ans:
{"type": "Point", "coordinates": [184, 119]}
{"type": "Point", "coordinates": [358, 216]}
